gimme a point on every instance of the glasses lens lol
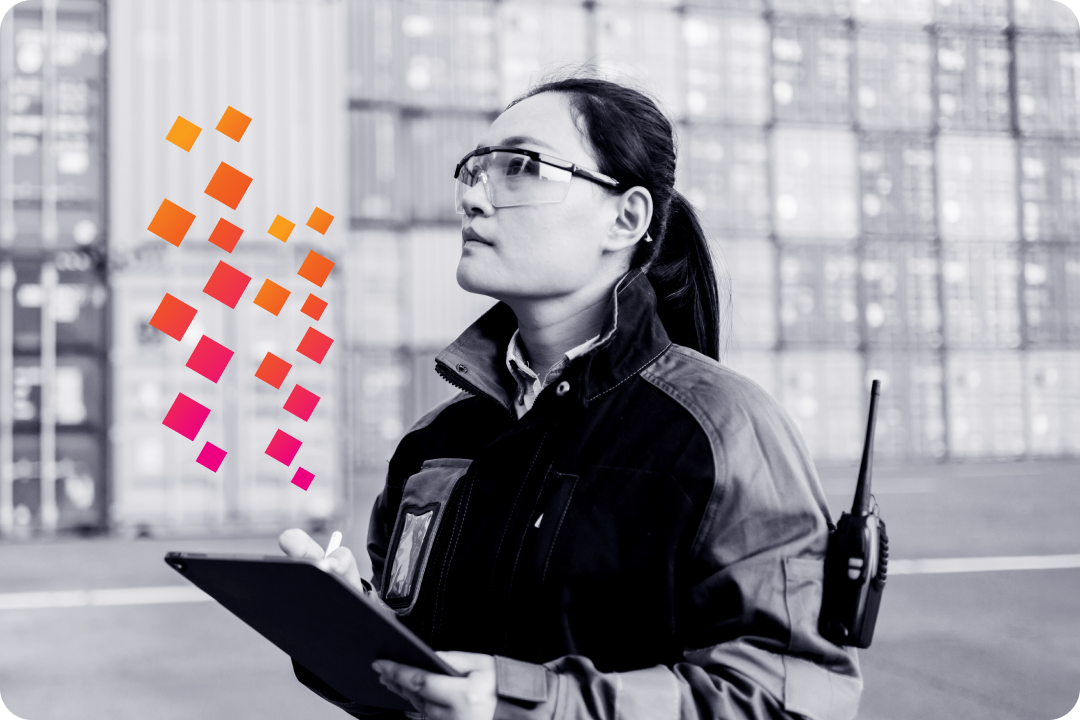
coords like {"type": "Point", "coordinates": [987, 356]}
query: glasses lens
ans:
{"type": "Point", "coordinates": [513, 179]}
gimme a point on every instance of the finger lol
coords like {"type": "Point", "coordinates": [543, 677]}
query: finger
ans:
{"type": "Point", "coordinates": [457, 692]}
{"type": "Point", "coordinates": [467, 662]}
{"type": "Point", "coordinates": [294, 542]}
{"type": "Point", "coordinates": [346, 563]}
{"type": "Point", "coordinates": [417, 700]}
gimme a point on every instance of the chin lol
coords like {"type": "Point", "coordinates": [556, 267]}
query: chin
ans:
{"type": "Point", "coordinates": [472, 278]}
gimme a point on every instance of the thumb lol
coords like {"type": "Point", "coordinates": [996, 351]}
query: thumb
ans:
{"type": "Point", "coordinates": [467, 662]}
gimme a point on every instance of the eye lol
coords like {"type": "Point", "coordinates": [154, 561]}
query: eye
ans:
{"type": "Point", "coordinates": [517, 164]}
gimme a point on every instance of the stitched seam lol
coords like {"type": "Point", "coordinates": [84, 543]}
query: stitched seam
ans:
{"type": "Point", "coordinates": [631, 375]}
{"type": "Point", "coordinates": [458, 521]}
{"type": "Point", "coordinates": [543, 576]}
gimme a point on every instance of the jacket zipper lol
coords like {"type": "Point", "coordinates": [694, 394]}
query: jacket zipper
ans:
{"type": "Point", "coordinates": [461, 384]}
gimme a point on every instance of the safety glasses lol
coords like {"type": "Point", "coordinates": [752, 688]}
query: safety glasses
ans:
{"type": "Point", "coordinates": [513, 176]}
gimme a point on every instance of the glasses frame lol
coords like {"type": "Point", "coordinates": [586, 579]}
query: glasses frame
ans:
{"type": "Point", "coordinates": [592, 175]}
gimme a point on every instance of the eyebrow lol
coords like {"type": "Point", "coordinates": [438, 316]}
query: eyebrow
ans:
{"type": "Point", "coordinates": [523, 139]}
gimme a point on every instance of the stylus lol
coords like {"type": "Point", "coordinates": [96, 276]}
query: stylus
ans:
{"type": "Point", "coordinates": [335, 542]}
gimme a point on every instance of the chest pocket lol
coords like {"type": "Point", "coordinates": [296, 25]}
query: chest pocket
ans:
{"type": "Point", "coordinates": [423, 504]}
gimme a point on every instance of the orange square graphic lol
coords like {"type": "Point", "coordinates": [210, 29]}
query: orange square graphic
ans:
{"type": "Point", "coordinates": [171, 222]}
{"type": "Point", "coordinates": [272, 370]}
{"type": "Point", "coordinates": [228, 185]}
{"type": "Point", "coordinates": [281, 228]}
{"type": "Point", "coordinates": [272, 297]}
{"type": "Point", "coordinates": [320, 220]}
{"type": "Point", "coordinates": [233, 123]}
{"type": "Point", "coordinates": [313, 307]}
{"type": "Point", "coordinates": [226, 235]}
{"type": "Point", "coordinates": [183, 133]}
{"type": "Point", "coordinates": [315, 268]}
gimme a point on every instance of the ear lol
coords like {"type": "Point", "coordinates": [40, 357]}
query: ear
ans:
{"type": "Point", "coordinates": [634, 209]}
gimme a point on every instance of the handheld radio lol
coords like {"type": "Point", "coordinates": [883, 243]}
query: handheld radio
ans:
{"type": "Point", "coordinates": [856, 559]}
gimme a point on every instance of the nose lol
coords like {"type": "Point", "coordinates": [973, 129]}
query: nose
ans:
{"type": "Point", "coordinates": [476, 199]}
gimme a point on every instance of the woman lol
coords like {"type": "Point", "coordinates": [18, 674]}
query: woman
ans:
{"type": "Point", "coordinates": [620, 526]}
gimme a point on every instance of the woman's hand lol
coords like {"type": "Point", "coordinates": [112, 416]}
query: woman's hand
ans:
{"type": "Point", "coordinates": [441, 697]}
{"type": "Point", "coordinates": [294, 542]}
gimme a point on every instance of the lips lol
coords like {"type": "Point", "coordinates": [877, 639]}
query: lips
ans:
{"type": "Point", "coordinates": [469, 234]}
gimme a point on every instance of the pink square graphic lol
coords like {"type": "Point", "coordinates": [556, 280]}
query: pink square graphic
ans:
{"type": "Point", "coordinates": [283, 447]}
{"type": "Point", "coordinates": [302, 479]}
{"type": "Point", "coordinates": [186, 416]}
{"type": "Point", "coordinates": [301, 402]}
{"type": "Point", "coordinates": [211, 457]}
{"type": "Point", "coordinates": [209, 359]}
{"type": "Point", "coordinates": [314, 345]}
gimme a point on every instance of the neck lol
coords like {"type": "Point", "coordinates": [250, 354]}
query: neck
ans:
{"type": "Point", "coordinates": [552, 326]}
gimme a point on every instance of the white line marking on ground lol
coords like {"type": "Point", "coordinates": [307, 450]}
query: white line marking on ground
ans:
{"type": "Point", "coordinates": [983, 564]}
{"type": "Point", "coordinates": [115, 596]}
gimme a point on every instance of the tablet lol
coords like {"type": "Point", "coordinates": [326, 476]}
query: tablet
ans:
{"type": "Point", "coordinates": [315, 617]}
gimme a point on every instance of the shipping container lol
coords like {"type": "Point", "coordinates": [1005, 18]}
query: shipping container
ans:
{"type": "Point", "coordinates": [973, 13]}
{"type": "Point", "coordinates": [1052, 384]}
{"type": "Point", "coordinates": [536, 39]}
{"type": "Point", "coordinates": [981, 286]}
{"type": "Point", "coordinates": [901, 303]}
{"type": "Point", "coordinates": [282, 64]}
{"type": "Point", "coordinates": [643, 48]}
{"type": "Point", "coordinates": [818, 301]}
{"type": "Point", "coordinates": [377, 175]}
{"type": "Point", "coordinates": [910, 416]}
{"type": "Point", "coordinates": [913, 12]}
{"type": "Point", "coordinates": [437, 310]}
{"type": "Point", "coordinates": [1048, 84]}
{"type": "Point", "coordinates": [380, 377]}
{"type": "Point", "coordinates": [79, 487]}
{"type": "Point", "coordinates": [823, 393]}
{"type": "Point", "coordinates": [78, 304]}
{"type": "Point", "coordinates": [895, 77]}
{"type": "Point", "coordinates": [896, 178]}
{"type": "Point", "coordinates": [815, 180]}
{"type": "Point", "coordinates": [977, 188]}
{"type": "Point", "coordinates": [972, 80]}
{"type": "Point", "coordinates": [1052, 294]}
{"type": "Point", "coordinates": [1044, 15]}
{"type": "Point", "coordinates": [985, 400]}
{"type": "Point", "coordinates": [433, 146]}
{"type": "Point", "coordinates": [811, 71]}
{"type": "Point", "coordinates": [724, 173]}
{"type": "Point", "coordinates": [751, 265]}
{"type": "Point", "coordinates": [761, 366]}
{"type": "Point", "coordinates": [727, 75]}
{"type": "Point", "coordinates": [376, 271]}
{"type": "Point", "coordinates": [1050, 189]}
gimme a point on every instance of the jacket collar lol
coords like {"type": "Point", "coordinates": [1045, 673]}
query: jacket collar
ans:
{"type": "Point", "coordinates": [632, 338]}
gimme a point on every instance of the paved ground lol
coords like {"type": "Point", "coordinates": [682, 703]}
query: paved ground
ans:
{"type": "Point", "coordinates": [960, 646]}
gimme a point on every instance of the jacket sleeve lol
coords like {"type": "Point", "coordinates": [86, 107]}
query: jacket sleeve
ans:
{"type": "Point", "coordinates": [752, 649]}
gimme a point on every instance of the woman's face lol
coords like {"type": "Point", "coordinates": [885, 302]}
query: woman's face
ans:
{"type": "Point", "coordinates": [539, 251]}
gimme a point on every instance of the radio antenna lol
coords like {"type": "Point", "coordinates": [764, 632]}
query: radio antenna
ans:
{"type": "Point", "coordinates": [861, 505]}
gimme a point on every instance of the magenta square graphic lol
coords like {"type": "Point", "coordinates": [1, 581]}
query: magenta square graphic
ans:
{"type": "Point", "coordinates": [302, 479]}
{"type": "Point", "coordinates": [211, 457]}
{"type": "Point", "coordinates": [301, 402]}
{"type": "Point", "coordinates": [283, 447]}
{"type": "Point", "coordinates": [209, 359]}
{"type": "Point", "coordinates": [186, 416]}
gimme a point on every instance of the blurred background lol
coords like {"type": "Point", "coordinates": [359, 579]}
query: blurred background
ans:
{"type": "Point", "coordinates": [894, 188]}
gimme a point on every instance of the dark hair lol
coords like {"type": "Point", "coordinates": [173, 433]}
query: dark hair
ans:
{"type": "Point", "coordinates": [635, 144]}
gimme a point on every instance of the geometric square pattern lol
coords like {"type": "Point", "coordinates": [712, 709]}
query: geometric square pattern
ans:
{"type": "Point", "coordinates": [211, 457]}
{"type": "Point", "coordinates": [171, 222]}
{"type": "Point", "coordinates": [226, 284]}
{"type": "Point", "coordinates": [209, 359]}
{"type": "Point", "coordinates": [183, 134]}
{"type": "Point", "coordinates": [225, 235]}
{"type": "Point", "coordinates": [315, 268]}
{"type": "Point", "coordinates": [228, 185]}
{"type": "Point", "coordinates": [233, 123]}
{"type": "Point", "coordinates": [173, 316]}
{"type": "Point", "coordinates": [281, 228]}
{"type": "Point", "coordinates": [314, 345]}
{"type": "Point", "coordinates": [320, 220]}
{"type": "Point", "coordinates": [283, 447]}
{"type": "Point", "coordinates": [272, 370]}
{"type": "Point", "coordinates": [186, 416]}
{"type": "Point", "coordinates": [271, 297]}
{"type": "Point", "coordinates": [313, 307]}
{"type": "Point", "coordinates": [302, 479]}
{"type": "Point", "coordinates": [301, 402]}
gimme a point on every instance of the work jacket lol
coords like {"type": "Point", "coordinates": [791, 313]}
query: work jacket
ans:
{"type": "Point", "coordinates": [647, 542]}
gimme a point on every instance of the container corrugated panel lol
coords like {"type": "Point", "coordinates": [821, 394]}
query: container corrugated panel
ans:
{"type": "Point", "coordinates": [1052, 379]}
{"type": "Point", "coordinates": [973, 81]}
{"type": "Point", "coordinates": [723, 171]}
{"type": "Point", "coordinates": [727, 66]}
{"type": "Point", "coordinates": [823, 394]}
{"type": "Point", "coordinates": [894, 81]}
{"type": "Point", "coordinates": [751, 264]}
{"type": "Point", "coordinates": [821, 8]}
{"type": "Point", "coordinates": [816, 184]}
{"type": "Point", "coordinates": [818, 301]}
{"type": "Point", "coordinates": [438, 310]}
{"type": "Point", "coordinates": [380, 376]}
{"type": "Point", "coordinates": [973, 13]}
{"type": "Point", "coordinates": [643, 47]}
{"type": "Point", "coordinates": [534, 39]}
{"type": "Point", "coordinates": [1052, 294]}
{"type": "Point", "coordinates": [985, 396]}
{"type": "Point", "coordinates": [1050, 189]}
{"type": "Point", "coordinates": [1048, 84]}
{"type": "Point", "coordinates": [900, 287]}
{"type": "Point", "coordinates": [80, 481]}
{"type": "Point", "coordinates": [811, 71]}
{"type": "Point", "coordinates": [371, 74]}
{"type": "Point", "coordinates": [156, 479]}
{"type": "Point", "coordinates": [1044, 15]}
{"type": "Point", "coordinates": [896, 176]}
{"type": "Point", "coordinates": [914, 12]}
{"type": "Point", "coordinates": [433, 145]}
{"type": "Point", "coordinates": [977, 188]}
{"type": "Point", "coordinates": [375, 169]}
{"type": "Point", "coordinates": [374, 288]}
{"type": "Point", "coordinates": [981, 286]}
{"type": "Point", "coordinates": [761, 366]}
{"type": "Point", "coordinates": [911, 418]}
{"type": "Point", "coordinates": [78, 305]}
{"type": "Point", "coordinates": [194, 58]}
{"type": "Point", "coordinates": [79, 393]}
{"type": "Point", "coordinates": [445, 53]}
